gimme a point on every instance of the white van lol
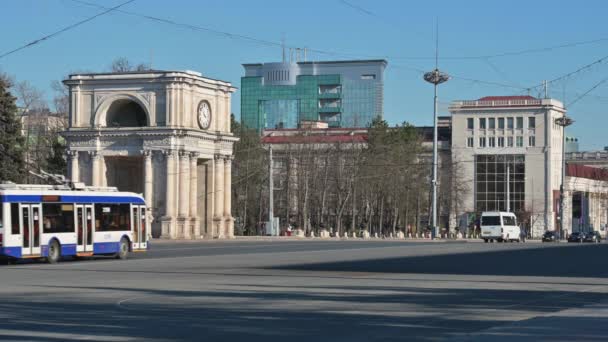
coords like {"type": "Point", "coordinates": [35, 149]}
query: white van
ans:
{"type": "Point", "coordinates": [500, 226]}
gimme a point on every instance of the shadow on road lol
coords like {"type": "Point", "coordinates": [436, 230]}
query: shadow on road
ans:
{"type": "Point", "coordinates": [557, 261]}
{"type": "Point", "coordinates": [271, 314]}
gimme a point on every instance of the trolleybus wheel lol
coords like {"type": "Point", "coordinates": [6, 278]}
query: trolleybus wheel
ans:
{"type": "Point", "coordinates": [54, 253]}
{"type": "Point", "coordinates": [123, 249]}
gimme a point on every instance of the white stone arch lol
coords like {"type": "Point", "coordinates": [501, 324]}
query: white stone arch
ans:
{"type": "Point", "coordinates": [99, 118]}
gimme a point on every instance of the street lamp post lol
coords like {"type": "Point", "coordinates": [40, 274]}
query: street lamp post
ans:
{"type": "Point", "coordinates": [564, 122]}
{"type": "Point", "coordinates": [435, 77]}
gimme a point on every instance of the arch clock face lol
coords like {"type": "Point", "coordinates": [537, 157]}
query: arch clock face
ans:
{"type": "Point", "coordinates": [204, 115]}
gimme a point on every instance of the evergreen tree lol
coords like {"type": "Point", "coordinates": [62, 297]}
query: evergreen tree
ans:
{"type": "Point", "coordinates": [55, 162]}
{"type": "Point", "coordinates": [12, 163]}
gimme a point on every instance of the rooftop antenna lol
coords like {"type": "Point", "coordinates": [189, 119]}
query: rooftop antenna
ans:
{"type": "Point", "coordinates": [283, 45]}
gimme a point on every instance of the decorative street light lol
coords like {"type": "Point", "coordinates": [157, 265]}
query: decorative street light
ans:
{"type": "Point", "coordinates": [564, 122]}
{"type": "Point", "coordinates": [435, 77]}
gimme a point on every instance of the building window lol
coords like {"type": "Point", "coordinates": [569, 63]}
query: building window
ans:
{"type": "Point", "coordinates": [470, 123]}
{"type": "Point", "coordinates": [330, 89]}
{"type": "Point", "coordinates": [501, 123]}
{"type": "Point", "coordinates": [501, 141]}
{"type": "Point", "coordinates": [491, 142]}
{"type": "Point", "coordinates": [532, 141]}
{"type": "Point", "coordinates": [482, 142]}
{"type": "Point", "coordinates": [520, 141]}
{"type": "Point", "coordinates": [510, 123]}
{"type": "Point", "coordinates": [470, 142]}
{"type": "Point", "coordinates": [491, 123]}
{"type": "Point", "coordinates": [330, 103]}
{"type": "Point", "coordinates": [491, 182]}
{"type": "Point", "coordinates": [509, 141]}
{"type": "Point", "coordinates": [368, 77]}
{"type": "Point", "coordinates": [519, 123]}
{"type": "Point", "coordinates": [531, 122]}
{"type": "Point", "coordinates": [482, 123]}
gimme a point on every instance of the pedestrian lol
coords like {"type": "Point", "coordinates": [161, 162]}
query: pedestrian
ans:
{"type": "Point", "coordinates": [523, 234]}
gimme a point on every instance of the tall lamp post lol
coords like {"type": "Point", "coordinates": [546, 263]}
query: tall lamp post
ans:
{"type": "Point", "coordinates": [435, 77]}
{"type": "Point", "coordinates": [564, 122]}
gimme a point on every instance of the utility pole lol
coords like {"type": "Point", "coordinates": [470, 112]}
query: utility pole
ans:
{"type": "Point", "coordinates": [563, 121]}
{"type": "Point", "coordinates": [508, 188]}
{"type": "Point", "coordinates": [270, 192]}
{"type": "Point", "coordinates": [435, 77]}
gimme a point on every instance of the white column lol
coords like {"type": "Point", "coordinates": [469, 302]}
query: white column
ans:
{"type": "Point", "coordinates": [168, 228]}
{"type": "Point", "coordinates": [218, 175]}
{"type": "Point", "coordinates": [184, 184]}
{"type": "Point", "coordinates": [148, 176]}
{"type": "Point", "coordinates": [74, 165]}
{"type": "Point", "coordinates": [95, 168]}
{"type": "Point", "coordinates": [228, 196]}
{"type": "Point", "coordinates": [193, 185]}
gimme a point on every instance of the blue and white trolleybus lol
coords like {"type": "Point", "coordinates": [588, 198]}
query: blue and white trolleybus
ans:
{"type": "Point", "coordinates": [53, 221]}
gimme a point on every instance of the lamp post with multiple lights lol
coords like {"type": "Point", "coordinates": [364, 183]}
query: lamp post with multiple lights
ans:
{"type": "Point", "coordinates": [564, 122]}
{"type": "Point", "coordinates": [435, 77]}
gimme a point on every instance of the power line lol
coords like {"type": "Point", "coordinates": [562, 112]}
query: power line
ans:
{"type": "Point", "coordinates": [67, 28]}
{"type": "Point", "coordinates": [512, 53]}
{"type": "Point", "coordinates": [358, 8]}
{"type": "Point", "coordinates": [581, 69]}
{"type": "Point", "coordinates": [587, 92]}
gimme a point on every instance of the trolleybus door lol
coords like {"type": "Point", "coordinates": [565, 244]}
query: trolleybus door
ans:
{"type": "Point", "coordinates": [29, 223]}
{"type": "Point", "coordinates": [84, 228]}
{"type": "Point", "coordinates": [139, 225]}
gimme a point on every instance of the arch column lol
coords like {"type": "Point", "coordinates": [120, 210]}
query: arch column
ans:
{"type": "Point", "coordinates": [148, 177]}
{"type": "Point", "coordinates": [183, 222]}
{"type": "Point", "coordinates": [168, 221]}
{"type": "Point", "coordinates": [195, 223]}
{"type": "Point", "coordinates": [229, 222]}
{"type": "Point", "coordinates": [218, 213]}
{"type": "Point", "coordinates": [96, 160]}
{"type": "Point", "coordinates": [74, 166]}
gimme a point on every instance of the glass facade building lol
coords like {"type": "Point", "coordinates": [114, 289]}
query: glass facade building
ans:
{"type": "Point", "coordinates": [491, 182]}
{"type": "Point", "coordinates": [341, 93]}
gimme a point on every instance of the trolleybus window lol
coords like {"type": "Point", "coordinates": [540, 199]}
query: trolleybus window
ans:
{"type": "Point", "coordinates": [15, 218]}
{"type": "Point", "coordinates": [112, 217]}
{"type": "Point", "coordinates": [58, 218]}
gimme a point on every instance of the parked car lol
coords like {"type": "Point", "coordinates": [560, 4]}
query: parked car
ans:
{"type": "Point", "coordinates": [549, 236]}
{"type": "Point", "coordinates": [576, 237]}
{"type": "Point", "coordinates": [593, 237]}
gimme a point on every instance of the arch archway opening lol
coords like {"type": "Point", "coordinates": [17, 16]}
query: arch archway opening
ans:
{"type": "Point", "coordinates": [126, 113]}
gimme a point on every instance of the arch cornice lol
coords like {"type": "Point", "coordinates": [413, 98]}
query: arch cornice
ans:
{"type": "Point", "coordinates": [99, 118]}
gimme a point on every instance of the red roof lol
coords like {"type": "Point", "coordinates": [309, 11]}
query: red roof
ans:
{"type": "Point", "coordinates": [302, 139]}
{"type": "Point", "coordinates": [506, 98]}
{"type": "Point", "coordinates": [584, 171]}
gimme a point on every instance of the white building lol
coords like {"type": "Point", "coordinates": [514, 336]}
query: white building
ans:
{"type": "Point", "coordinates": [516, 136]}
{"type": "Point", "coordinates": [165, 134]}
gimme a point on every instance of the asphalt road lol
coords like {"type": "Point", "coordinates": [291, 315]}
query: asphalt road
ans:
{"type": "Point", "coordinates": [314, 291]}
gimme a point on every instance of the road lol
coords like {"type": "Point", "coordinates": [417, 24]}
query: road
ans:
{"type": "Point", "coordinates": [314, 291]}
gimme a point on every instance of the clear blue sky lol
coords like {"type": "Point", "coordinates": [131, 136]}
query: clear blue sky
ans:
{"type": "Point", "coordinates": [391, 29]}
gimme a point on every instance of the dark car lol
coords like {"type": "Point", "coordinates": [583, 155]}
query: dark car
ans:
{"type": "Point", "coordinates": [593, 237]}
{"type": "Point", "coordinates": [549, 236]}
{"type": "Point", "coordinates": [576, 237]}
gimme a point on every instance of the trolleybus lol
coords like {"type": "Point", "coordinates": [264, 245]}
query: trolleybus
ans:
{"type": "Point", "coordinates": [54, 221]}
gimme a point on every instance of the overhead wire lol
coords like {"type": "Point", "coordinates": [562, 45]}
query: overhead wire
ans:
{"type": "Point", "coordinates": [67, 28]}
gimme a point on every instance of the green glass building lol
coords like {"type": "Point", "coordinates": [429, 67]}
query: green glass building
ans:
{"type": "Point", "coordinates": [340, 93]}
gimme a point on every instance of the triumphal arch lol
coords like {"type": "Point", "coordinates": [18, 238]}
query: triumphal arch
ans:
{"type": "Point", "coordinates": [165, 134]}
